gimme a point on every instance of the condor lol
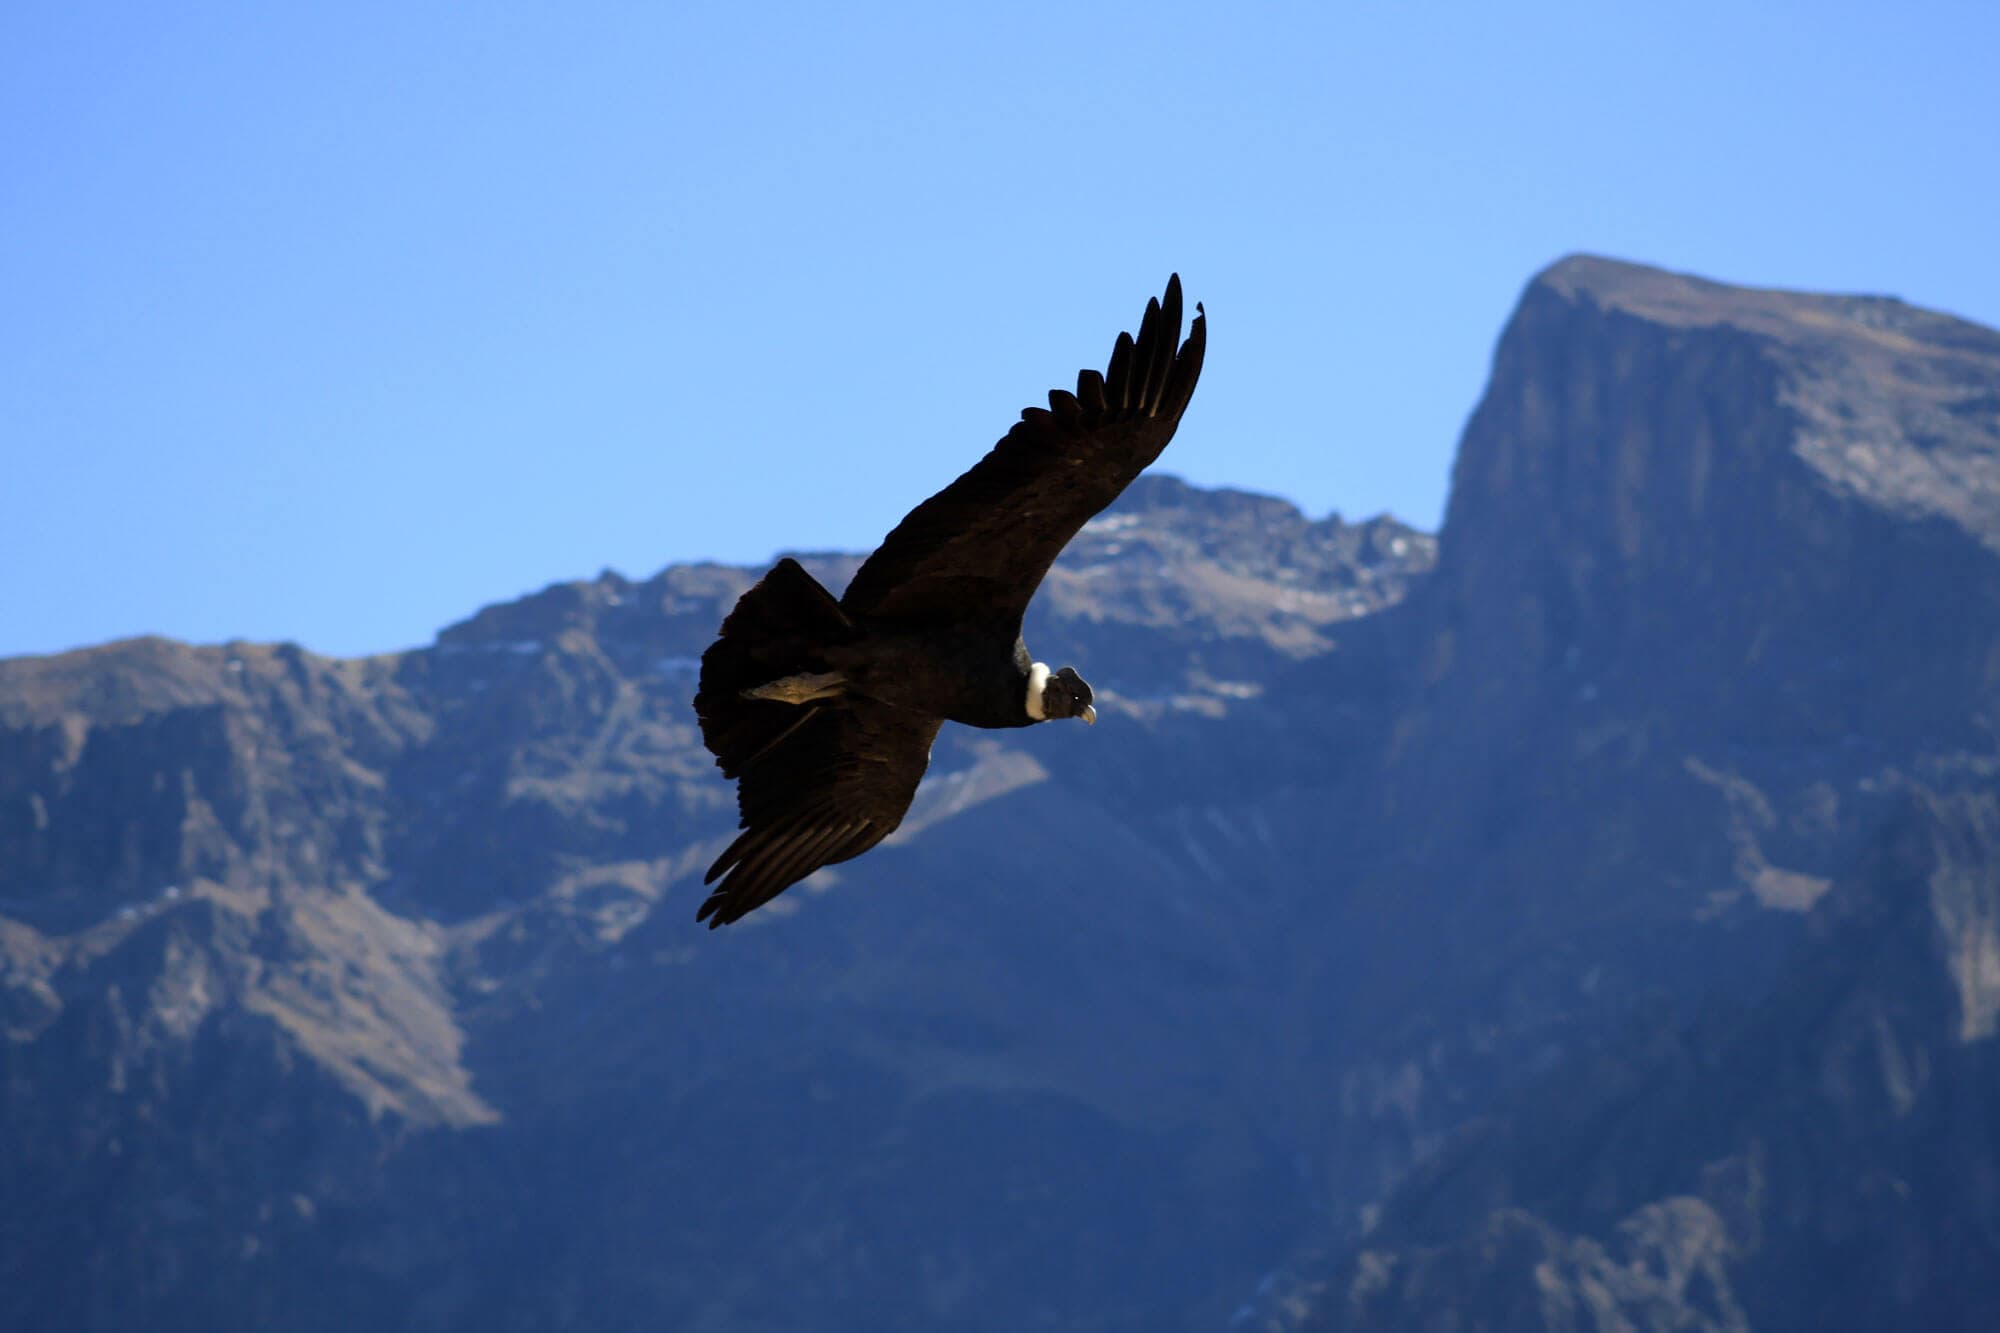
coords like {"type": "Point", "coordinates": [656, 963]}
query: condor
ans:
{"type": "Point", "coordinates": [824, 710]}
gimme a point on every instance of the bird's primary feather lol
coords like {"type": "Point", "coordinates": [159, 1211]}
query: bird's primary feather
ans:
{"type": "Point", "coordinates": [832, 788]}
{"type": "Point", "coordinates": [987, 539]}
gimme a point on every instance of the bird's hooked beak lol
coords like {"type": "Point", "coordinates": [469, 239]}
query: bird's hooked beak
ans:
{"type": "Point", "coordinates": [1089, 715]}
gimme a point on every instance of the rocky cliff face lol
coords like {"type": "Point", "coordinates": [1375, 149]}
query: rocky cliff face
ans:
{"type": "Point", "coordinates": [1709, 674]}
{"type": "Point", "coordinates": [1593, 927]}
{"type": "Point", "coordinates": [1823, 1157]}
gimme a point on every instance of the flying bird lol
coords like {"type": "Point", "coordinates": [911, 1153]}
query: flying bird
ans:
{"type": "Point", "coordinates": [824, 709]}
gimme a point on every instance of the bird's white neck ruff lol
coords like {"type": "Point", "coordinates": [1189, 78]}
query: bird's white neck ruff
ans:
{"type": "Point", "coordinates": [1038, 679]}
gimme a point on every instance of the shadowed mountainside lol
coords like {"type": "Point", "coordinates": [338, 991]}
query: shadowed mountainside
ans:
{"type": "Point", "coordinates": [1713, 647]}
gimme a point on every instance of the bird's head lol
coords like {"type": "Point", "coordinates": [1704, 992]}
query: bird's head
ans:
{"type": "Point", "coordinates": [1058, 694]}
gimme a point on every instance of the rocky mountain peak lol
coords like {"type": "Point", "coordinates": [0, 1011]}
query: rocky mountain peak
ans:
{"type": "Point", "coordinates": [1666, 469]}
{"type": "Point", "coordinates": [1895, 405]}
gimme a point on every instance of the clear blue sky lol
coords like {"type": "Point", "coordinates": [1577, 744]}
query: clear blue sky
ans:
{"type": "Point", "coordinates": [332, 323]}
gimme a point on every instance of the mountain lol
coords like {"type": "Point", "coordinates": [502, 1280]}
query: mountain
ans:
{"type": "Point", "coordinates": [1586, 919]}
{"type": "Point", "coordinates": [369, 991]}
{"type": "Point", "coordinates": [1749, 645]}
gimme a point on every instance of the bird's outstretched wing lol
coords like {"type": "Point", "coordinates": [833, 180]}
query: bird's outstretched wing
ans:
{"type": "Point", "coordinates": [983, 543]}
{"type": "Point", "coordinates": [834, 783]}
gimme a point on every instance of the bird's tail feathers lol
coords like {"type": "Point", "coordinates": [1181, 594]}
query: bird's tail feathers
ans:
{"type": "Point", "coordinates": [782, 627]}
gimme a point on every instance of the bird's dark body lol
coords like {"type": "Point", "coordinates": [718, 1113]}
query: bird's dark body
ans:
{"type": "Point", "coordinates": [961, 672]}
{"type": "Point", "coordinates": [824, 709]}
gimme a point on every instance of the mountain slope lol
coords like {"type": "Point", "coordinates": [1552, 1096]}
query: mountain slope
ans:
{"type": "Point", "coordinates": [405, 944]}
{"type": "Point", "coordinates": [1707, 677]}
